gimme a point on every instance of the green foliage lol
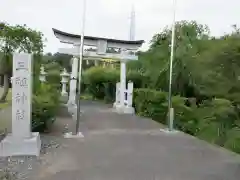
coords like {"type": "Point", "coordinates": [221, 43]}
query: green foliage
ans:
{"type": "Point", "coordinates": [151, 103]}
{"type": "Point", "coordinates": [100, 82]}
{"type": "Point", "coordinates": [45, 100]}
{"type": "Point", "coordinates": [53, 77]}
{"type": "Point", "coordinates": [53, 70]}
{"type": "Point", "coordinates": [17, 39]}
{"type": "Point", "coordinates": [44, 106]}
{"type": "Point", "coordinates": [57, 59]}
{"type": "Point", "coordinates": [155, 62]}
{"type": "Point", "coordinates": [233, 140]}
{"type": "Point", "coordinates": [36, 69]}
{"type": "Point", "coordinates": [214, 121]}
{"type": "Point", "coordinates": [20, 38]}
{"type": "Point", "coordinates": [138, 78]}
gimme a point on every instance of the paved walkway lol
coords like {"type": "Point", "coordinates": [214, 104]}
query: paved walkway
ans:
{"type": "Point", "coordinates": [125, 147]}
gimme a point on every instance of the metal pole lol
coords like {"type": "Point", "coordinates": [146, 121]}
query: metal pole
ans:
{"type": "Point", "coordinates": [80, 66]}
{"type": "Point", "coordinates": [170, 109]}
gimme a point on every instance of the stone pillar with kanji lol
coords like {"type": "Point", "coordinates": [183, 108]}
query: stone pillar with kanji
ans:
{"type": "Point", "coordinates": [22, 141]}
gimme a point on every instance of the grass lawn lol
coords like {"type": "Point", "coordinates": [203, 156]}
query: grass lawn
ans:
{"type": "Point", "coordinates": [5, 116]}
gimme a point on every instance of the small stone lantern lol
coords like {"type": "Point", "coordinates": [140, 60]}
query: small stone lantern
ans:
{"type": "Point", "coordinates": [65, 75]}
{"type": "Point", "coordinates": [42, 76]}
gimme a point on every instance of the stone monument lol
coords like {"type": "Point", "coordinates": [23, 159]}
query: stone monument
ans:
{"type": "Point", "coordinates": [22, 141]}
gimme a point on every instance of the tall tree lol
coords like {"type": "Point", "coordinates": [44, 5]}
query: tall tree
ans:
{"type": "Point", "coordinates": [16, 38]}
{"type": "Point", "coordinates": [222, 67]}
{"type": "Point", "coordinates": [189, 44]}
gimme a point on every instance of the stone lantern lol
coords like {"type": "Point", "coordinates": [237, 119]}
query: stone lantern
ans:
{"type": "Point", "coordinates": [42, 76]}
{"type": "Point", "coordinates": [65, 76]}
{"type": "Point", "coordinates": [11, 80]}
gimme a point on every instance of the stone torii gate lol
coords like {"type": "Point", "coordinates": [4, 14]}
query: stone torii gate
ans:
{"type": "Point", "coordinates": [126, 51]}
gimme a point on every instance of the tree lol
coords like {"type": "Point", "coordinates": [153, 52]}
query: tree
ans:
{"type": "Point", "coordinates": [190, 38]}
{"type": "Point", "coordinates": [64, 60]}
{"type": "Point", "coordinates": [16, 39]}
{"type": "Point", "coordinates": [222, 67]}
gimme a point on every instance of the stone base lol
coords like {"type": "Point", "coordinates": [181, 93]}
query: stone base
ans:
{"type": "Point", "coordinates": [64, 98]}
{"type": "Point", "coordinates": [125, 110]}
{"type": "Point", "coordinates": [168, 131]}
{"type": "Point", "coordinates": [12, 146]}
{"type": "Point", "coordinates": [115, 105]}
{"type": "Point", "coordinates": [70, 135]}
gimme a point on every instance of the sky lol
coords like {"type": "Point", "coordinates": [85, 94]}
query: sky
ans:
{"type": "Point", "coordinates": [111, 18]}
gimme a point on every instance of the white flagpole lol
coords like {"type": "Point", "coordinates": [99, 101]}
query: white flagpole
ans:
{"type": "Point", "coordinates": [80, 66]}
{"type": "Point", "coordinates": [170, 109]}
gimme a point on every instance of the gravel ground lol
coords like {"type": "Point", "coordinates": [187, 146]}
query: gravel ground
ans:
{"type": "Point", "coordinates": [26, 167]}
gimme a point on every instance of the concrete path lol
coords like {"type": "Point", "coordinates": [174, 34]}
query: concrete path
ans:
{"type": "Point", "coordinates": [125, 147]}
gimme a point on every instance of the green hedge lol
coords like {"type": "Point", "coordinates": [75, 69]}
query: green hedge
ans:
{"type": "Point", "coordinates": [153, 104]}
{"type": "Point", "coordinates": [139, 79]}
{"type": "Point", "coordinates": [215, 121]}
{"type": "Point", "coordinates": [54, 78]}
{"type": "Point", "coordinates": [101, 82]}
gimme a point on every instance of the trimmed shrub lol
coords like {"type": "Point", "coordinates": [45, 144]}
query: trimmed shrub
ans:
{"type": "Point", "coordinates": [136, 77]}
{"type": "Point", "coordinates": [214, 121]}
{"type": "Point", "coordinates": [53, 70]}
{"type": "Point", "coordinates": [151, 103]}
{"type": "Point", "coordinates": [233, 140]}
{"type": "Point", "coordinates": [215, 118]}
{"type": "Point", "coordinates": [100, 82]}
{"type": "Point", "coordinates": [54, 78]}
{"type": "Point", "coordinates": [44, 107]}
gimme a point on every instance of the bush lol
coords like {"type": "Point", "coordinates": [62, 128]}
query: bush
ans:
{"type": "Point", "coordinates": [215, 121]}
{"type": "Point", "coordinates": [53, 71]}
{"type": "Point", "coordinates": [44, 106]}
{"type": "Point", "coordinates": [233, 140]}
{"type": "Point", "coordinates": [100, 82]}
{"type": "Point", "coordinates": [53, 78]}
{"type": "Point", "coordinates": [151, 103]}
{"type": "Point", "coordinates": [136, 77]}
{"type": "Point", "coordinates": [216, 118]}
